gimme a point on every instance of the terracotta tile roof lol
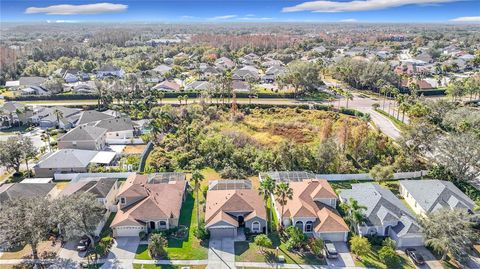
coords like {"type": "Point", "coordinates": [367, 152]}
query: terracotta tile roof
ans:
{"type": "Point", "coordinates": [330, 221]}
{"type": "Point", "coordinates": [157, 201]}
{"type": "Point", "coordinates": [221, 202]}
{"type": "Point", "coordinates": [305, 203]}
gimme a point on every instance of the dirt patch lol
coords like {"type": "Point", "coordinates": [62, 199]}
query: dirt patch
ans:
{"type": "Point", "coordinates": [133, 149]}
{"type": "Point", "coordinates": [291, 131]}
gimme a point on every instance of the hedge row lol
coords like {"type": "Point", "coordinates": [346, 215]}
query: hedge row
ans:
{"type": "Point", "coordinates": [166, 95]}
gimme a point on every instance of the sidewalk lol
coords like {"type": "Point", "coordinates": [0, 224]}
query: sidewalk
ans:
{"type": "Point", "coordinates": [289, 266]}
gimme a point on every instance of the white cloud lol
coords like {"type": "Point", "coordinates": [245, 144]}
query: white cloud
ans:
{"type": "Point", "coordinates": [256, 18]}
{"type": "Point", "coordinates": [466, 19]}
{"type": "Point", "coordinates": [78, 9]}
{"type": "Point", "coordinates": [349, 20]}
{"type": "Point", "coordinates": [187, 17]}
{"type": "Point", "coordinates": [224, 17]}
{"type": "Point", "coordinates": [62, 21]}
{"type": "Point", "coordinates": [358, 5]}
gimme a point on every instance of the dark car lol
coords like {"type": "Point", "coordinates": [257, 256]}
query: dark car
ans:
{"type": "Point", "coordinates": [416, 257]}
{"type": "Point", "coordinates": [330, 250]}
{"type": "Point", "coordinates": [83, 244]}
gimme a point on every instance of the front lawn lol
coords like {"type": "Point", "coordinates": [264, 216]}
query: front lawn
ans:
{"type": "Point", "coordinates": [248, 252]}
{"type": "Point", "coordinates": [169, 266]}
{"type": "Point", "coordinates": [188, 249]}
{"type": "Point", "coordinates": [373, 260]}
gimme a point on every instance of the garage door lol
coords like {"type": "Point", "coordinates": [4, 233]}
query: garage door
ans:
{"type": "Point", "coordinates": [222, 232]}
{"type": "Point", "coordinates": [127, 231]}
{"type": "Point", "coordinates": [410, 242]}
{"type": "Point", "coordinates": [333, 236]}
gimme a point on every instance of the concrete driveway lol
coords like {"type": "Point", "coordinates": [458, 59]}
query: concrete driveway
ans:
{"type": "Point", "coordinates": [430, 261]}
{"type": "Point", "coordinates": [344, 257]}
{"type": "Point", "coordinates": [221, 254]}
{"type": "Point", "coordinates": [122, 253]}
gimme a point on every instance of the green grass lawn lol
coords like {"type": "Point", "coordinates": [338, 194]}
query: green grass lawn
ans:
{"type": "Point", "coordinates": [155, 266]}
{"type": "Point", "coordinates": [249, 252]}
{"type": "Point", "coordinates": [398, 123]}
{"type": "Point", "coordinates": [373, 261]}
{"type": "Point", "coordinates": [189, 249]}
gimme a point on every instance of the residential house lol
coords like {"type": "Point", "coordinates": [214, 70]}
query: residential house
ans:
{"type": "Point", "coordinates": [246, 73]}
{"type": "Point", "coordinates": [12, 191]}
{"type": "Point", "coordinates": [385, 215]}
{"type": "Point", "coordinates": [167, 85]}
{"type": "Point", "coordinates": [14, 113]}
{"type": "Point", "coordinates": [427, 196]}
{"type": "Point", "coordinates": [25, 82]}
{"type": "Point", "coordinates": [199, 85]}
{"type": "Point", "coordinates": [93, 116]}
{"type": "Point", "coordinates": [312, 209]}
{"type": "Point", "coordinates": [162, 69]}
{"type": "Point", "coordinates": [109, 71]}
{"type": "Point", "coordinates": [272, 73]}
{"type": "Point", "coordinates": [224, 63]}
{"type": "Point", "coordinates": [208, 72]}
{"type": "Point", "coordinates": [228, 210]}
{"type": "Point", "coordinates": [105, 190]}
{"type": "Point", "coordinates": [240, 86]}
{"type": "Point", "coordinates": [83, 137]}
{"type": "Point", "coordinates": [117, 128]}
{"type": "Point", "coordinates": [83, 87]}
{"type": "Point", "coordinates": [147, 203]}
{"type": "Point", "coordinates": [60, 116]}
{"type": "Point", "coordinates": [71, 161]}
{"type": "Point", "coordinates": [35, 90]}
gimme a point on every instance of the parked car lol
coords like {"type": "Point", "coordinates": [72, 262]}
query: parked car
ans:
{"type": "Point", "coordinates": [416, 257]}
{"type": "Point", "coordinates": [83, 243]}
{"type": "Point", "coordinates": [330, 250]}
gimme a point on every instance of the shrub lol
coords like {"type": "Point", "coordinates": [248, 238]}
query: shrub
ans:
{"type": "Point", "coordinates": [316, 246]}
{"type": "Point", "coordinates": [142, 235]}
{"type": "Point", "coordinates": [388, 256]}
{"type": "Point", "coordinates": [200, 232]}
{"type": "Point", "coordinates": [296, 238]}
{"type": "Point", "coordinates": [360, 245]}
{"type": "Point", "coordinates": [389, 242]}
{"type": "Point", "coordinates": [156, 246]}
{"type": "Point", "coordinates": [262, 241]}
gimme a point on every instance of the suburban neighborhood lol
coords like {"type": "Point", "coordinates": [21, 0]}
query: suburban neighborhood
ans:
{"type": "Point", "coordinates": [296, 139]}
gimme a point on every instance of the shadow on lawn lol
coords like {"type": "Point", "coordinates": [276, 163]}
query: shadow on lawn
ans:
{"type": "Point", "coordinates": [185, 220]}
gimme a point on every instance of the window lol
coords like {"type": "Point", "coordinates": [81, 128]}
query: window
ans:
{"type": "Point", "coordinates": [255, 226]}
{"type": "Point", "coordinates": [299, 225]}
{"type": "Point", "coordinates": [162, 223]}
{"type": "Point", "coordinates": [309, 226]}
{"type": "Point", "coordinates": [122, 200]}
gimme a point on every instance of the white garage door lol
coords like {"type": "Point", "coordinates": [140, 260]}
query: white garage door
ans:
{"type": "Point", "coordinates": [410, 242]}
{"type": "Point", "coordinates": [127, 231]}
{"type": "Point", "coordinates": [216, 233]}
{"type": "Point", "coordinates": [333, 236]}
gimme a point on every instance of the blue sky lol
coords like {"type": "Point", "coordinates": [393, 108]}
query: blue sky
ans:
{"type": "Point", "coordinates": [241, 10]}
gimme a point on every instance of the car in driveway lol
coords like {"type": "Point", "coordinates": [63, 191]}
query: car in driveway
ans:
{"type": "Point", "coordinates": [415, 256]}
{"type": "Point", "coordinates": [330, 250]}
{"type": "Point", "coordinates": [83, 243]}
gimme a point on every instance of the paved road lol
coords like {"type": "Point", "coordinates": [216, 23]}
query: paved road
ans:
{"type": "Point", "coordinates": [221, 254]}
{"type": "Point", "coordinates": [364, 104]}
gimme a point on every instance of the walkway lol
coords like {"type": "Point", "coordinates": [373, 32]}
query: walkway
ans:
{"type": "Point", "coordinates": [290, 266]}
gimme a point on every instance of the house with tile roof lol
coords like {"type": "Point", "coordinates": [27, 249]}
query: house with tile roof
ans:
{"type": "Point", "coordinates": [430, 195]}
{"type": "Point", "coordinates": [385, 215]}
{"type": "Point", "coordinates": [83, 137]}
{"type": "Point", "coordinates": [147, 204]}
{"type": "Point", "coordinates": [229, 210]}
{"type": "Point", "coordinates": [312, 209]}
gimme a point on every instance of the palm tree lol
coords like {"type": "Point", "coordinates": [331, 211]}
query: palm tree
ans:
{"type": "Point", "coordinates": [180, 98]}
{"type": "Point", "coordinates": [161, 95]}
{"type": "Point", "coordinates": [283, 193]}
{"type": "Point", "coordinates": [197, 178]}
{"type": "Point", "coordinates": [58, 114]}
{"type": "Point", "coordinates": [385, 90]}
{"type": "Point", "coordinates": [185, 97]}
{"type": "Point", "coordinates": [355, 214]}
{"type": "Point", "coordinates": [266, 190]}
{"type": "Point", "coordinates": [348, 96]}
